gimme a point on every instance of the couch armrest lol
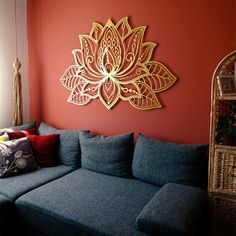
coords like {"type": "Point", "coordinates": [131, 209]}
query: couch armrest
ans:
{"type": "Point", "coordinates": [174, 210]}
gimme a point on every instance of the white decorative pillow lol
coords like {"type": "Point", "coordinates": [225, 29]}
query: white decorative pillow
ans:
{"type": "Point", "coordinates": [5, 130]}
{"type": "Point", "coordinates": [4, 137]}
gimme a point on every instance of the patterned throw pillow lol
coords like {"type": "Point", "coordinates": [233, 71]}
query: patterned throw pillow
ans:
{"type": "Point", "coordinates": [16, 157]}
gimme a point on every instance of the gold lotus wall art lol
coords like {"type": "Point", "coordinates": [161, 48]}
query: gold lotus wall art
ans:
{"type": "Point", "coordinates": [114, 63]}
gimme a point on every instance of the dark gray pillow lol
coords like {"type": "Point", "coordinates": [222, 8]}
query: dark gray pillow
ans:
{"type": "Point", "coordinates": [69, 145]}
{"type": "Point", "coordinates": [110, 155]}
{"type": "Point", "coordinates": [160, 162]}
{"type": "Point", "coordinates": [16, 157]}
{"type": "Point", "coordinates": [26, 126]}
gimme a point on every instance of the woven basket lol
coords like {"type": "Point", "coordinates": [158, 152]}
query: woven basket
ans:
{"type": "Point", "coordinates": [224, 179]}
{"type": "Point", "coordinates": [224, 220]}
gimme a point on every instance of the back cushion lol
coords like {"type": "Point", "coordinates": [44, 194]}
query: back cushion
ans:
{"type": "Point", "coordinates": [110, 155]}
{"type": "Point", "coordinates": [69, 144]}
{"type": "Point", "coordinates": [26, 126]}
{"type": "Point", "coordinates": [160, 162]}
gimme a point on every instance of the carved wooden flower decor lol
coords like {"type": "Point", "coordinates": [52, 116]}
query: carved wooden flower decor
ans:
{"type": "Point", "coordinates": [114, 63]}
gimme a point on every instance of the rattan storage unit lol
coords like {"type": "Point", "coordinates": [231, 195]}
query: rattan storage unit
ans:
{"type": "Point", "coordinates": [222, 151]}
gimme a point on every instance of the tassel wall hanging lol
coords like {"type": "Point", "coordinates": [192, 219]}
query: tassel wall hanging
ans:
{"type": "Point", "coordinates": [17, 87]}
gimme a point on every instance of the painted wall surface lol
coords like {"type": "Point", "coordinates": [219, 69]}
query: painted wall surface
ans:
{"type": "Point", "coordinates": [7, 55]}
{"type": "Point", "coordinates": [193, 36]}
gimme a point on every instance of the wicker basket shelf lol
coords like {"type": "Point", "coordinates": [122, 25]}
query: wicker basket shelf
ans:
{"type": "Point", "coordinates": [222, 154]}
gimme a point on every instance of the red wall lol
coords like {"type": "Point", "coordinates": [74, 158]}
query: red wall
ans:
{"type": "Point", "coordinates": [193, 36]}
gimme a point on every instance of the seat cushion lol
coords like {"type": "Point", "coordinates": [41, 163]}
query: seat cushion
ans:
{"type": "Point", "coordinates": [174, 210]}
{"type": "Point", "coordinates": [13, 187]}
{"type": "Point", "coordinates": [6, 216]}
{"type": "Point", "coordinates": [110, 155]}
{"type": "Point", "coordinates": [160, 162]}
{"type": "Point", "coordinates": [69, 145]}
{"type": "Point", "coordinates": [86, 200]}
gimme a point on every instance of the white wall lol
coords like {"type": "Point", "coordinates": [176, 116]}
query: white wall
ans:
{"type": "Point", "coordinates": [7, 55]}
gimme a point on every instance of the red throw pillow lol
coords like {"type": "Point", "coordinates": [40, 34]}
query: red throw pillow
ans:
{"type": "Point", "coordinates": [45, 149]}
{"type": "Point", "coordinates": [21, 133]}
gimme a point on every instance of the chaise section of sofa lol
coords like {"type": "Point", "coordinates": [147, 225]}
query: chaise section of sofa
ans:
{"type": "Point", "coordinates": [85, 201]}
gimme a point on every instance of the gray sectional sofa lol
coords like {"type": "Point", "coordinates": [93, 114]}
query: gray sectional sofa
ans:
{"type": "Point", "coordinates": [107, 186]}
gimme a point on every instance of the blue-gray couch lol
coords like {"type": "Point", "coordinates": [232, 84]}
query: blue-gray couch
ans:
{"type": "Point", "coordinates": [104, 187]}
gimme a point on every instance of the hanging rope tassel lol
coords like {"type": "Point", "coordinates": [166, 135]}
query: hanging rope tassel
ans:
{"type": "Point", "coordinates": [17, 94]}
{"type": "Point", "coordinates": [17, 87]}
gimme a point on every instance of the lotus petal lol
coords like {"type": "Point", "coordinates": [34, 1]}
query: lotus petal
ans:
{"type": "Point", "coordinates": [109, 50]}
{"type": "Point", "coordinates": [123, 27]}
{"type": "Point", "coordinates": [109, 93]}
{"type": "Point", "coordinates": [132, 44]}
{"type": "Point", "coordinates": [78, 56]}
{"type": "Point", "coordinates": [89, 62]}
{"type": "Point", "coordinates": [146, 52]}
{"type": "Point", "coordinates": [148, 99]}
{"type": "Point", "coordinates": [71, 77]}
{"type": "Point", "coordinates": [138, 71]}
{"type": "Point", "coordinates": [76, 97]}
{"type": "Point", "coordinates": [160, 78]}
{"type": "Point", "coordinates": [96, 31]}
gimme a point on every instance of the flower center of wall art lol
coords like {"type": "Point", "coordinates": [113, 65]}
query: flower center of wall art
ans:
{"type": "Point", "coordinates": [114, 63]}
